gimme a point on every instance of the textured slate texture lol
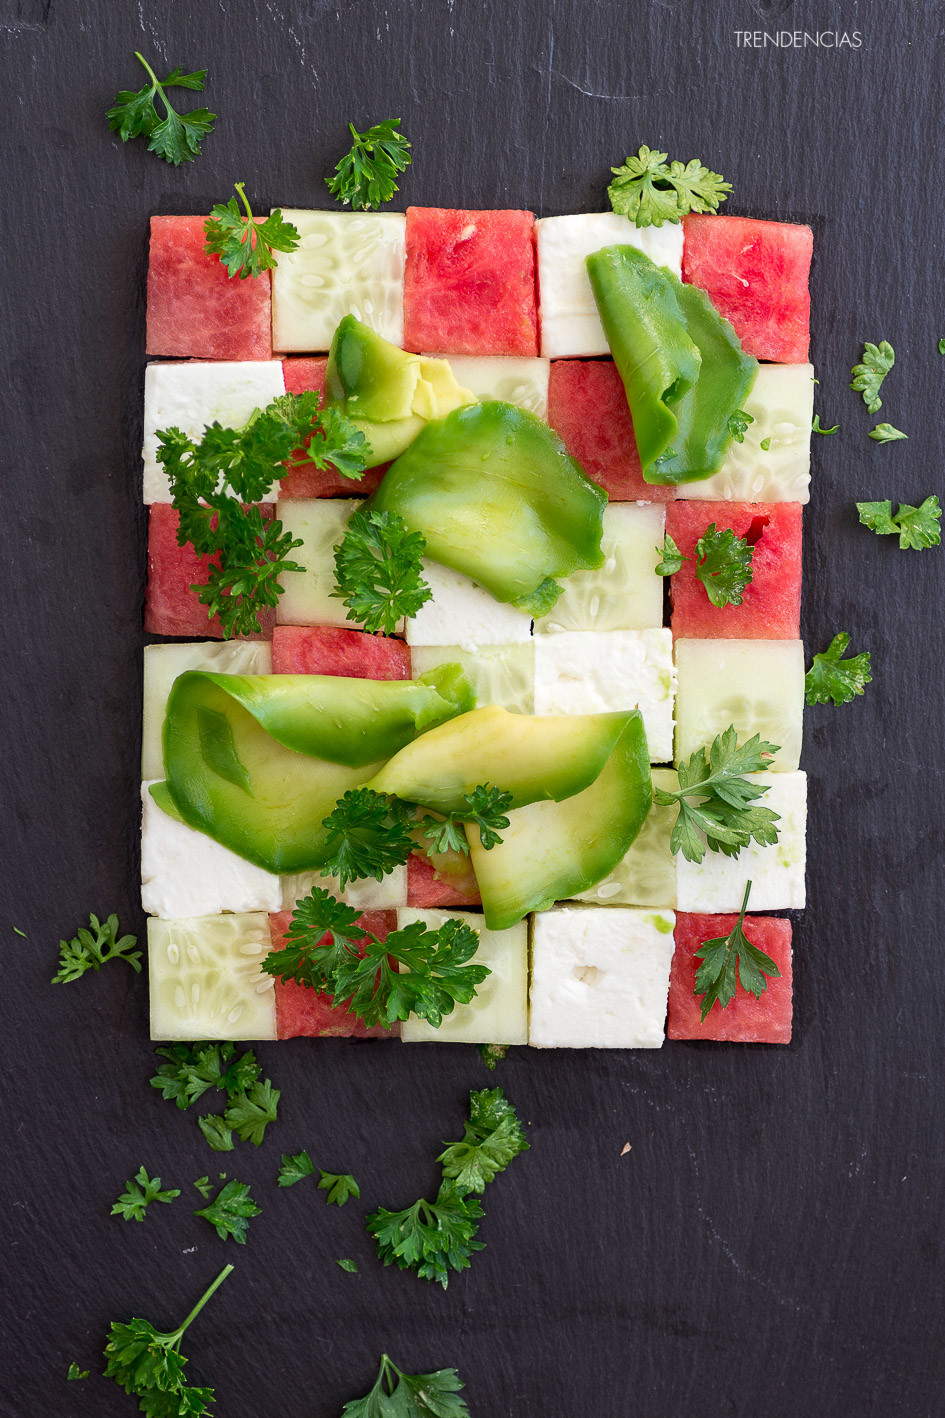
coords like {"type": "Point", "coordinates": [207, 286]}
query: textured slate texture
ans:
{"type": "Point", "coordinates": [772, 1244]}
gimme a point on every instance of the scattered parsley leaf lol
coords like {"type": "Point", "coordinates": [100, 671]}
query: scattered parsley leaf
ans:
{"type": "Point", "coordinates": [492, 1137]}
{"type": "Point", "coordinates": [399, 1395]}
{"type": "Point", "coordinates": [738, 424]}
{"type": "Point", "coordinates": [832, 679]}
{"type": "Point", "coordinates": [176, 137]}
{"type": "Point", "coordinates": [193, 1069]}
{"type": "Point", "coordinates": [941, 347]}
{"type": "Point", "coordinates": [492, 1054]}
{"type": "Point", "coordinates": [348, 1265]}
{"type": "Point", "coordinates": [716, 803]}
{"type": "Point", "coordinates": [218, 1135]}
{"type": "Point", "coordinates": [885, 433]}
{"type": "Point", "coordinates": [135, 1200]}
{"type": "Point", "coordinates": [651, 191]}
{"type": "Point", "coordinates": [367, 174]}
{"type": "Point", "coordinates": [204, 1187]}
{"type": "Point", "coordinates": [766, 444]}
{"type": "Point", "coordinates": [723, 565]}
{"type": "Point", "coordinates": [92, 947]}
{"type": "Point", "coordinates": [243, 244]}
{"type": "Point", "coordinates": [670, 557]}
{"type": "Point", "coordinates": [149, 1365]}
{"type": "Point", "coordinates": [431, 1237]}
{"type": "Point", "coordinates": [293, 1169]}
{"type": "Point", "coordinates": [917, 527]}
{"type": "Point", "coordinates": [16, 931]}
{"type": "Point", "coordinates": [368, 836]}
{"type": "Point", "coordinates": [76, 1373]}
{"type": "Point", "coordinates": [868, 377]}
{"type": "Point", "coordinates": [378, 571]}
{"type": "Point", "coordinates": [816, 428]}
{"type": "Point", "coordinates": [728, 959]}
{"type": "Point", "coordinates": [231, 1212]}
{"type": "Point", "coordinates": [339, 1186]}
{"type": "Point", "coordinates": [250, 1113]}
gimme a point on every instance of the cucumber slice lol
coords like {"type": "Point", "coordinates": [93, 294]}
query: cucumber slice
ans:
{"type": "Point", "coordinates": [205, 978]}
{"type": "Point", "coordinates": [646, 876]}
{"type": "Point", "coordinates": [346, 264]}
{"type": "Point", "coordinates": [551, 851]}
{"type": "Point", "coordinates": [625, 593]}
{"type": "Point", "coordinates": [755, 685]}
{"type": "Point", "coordinates": [499, 1012]}
{"type": "Point", "coordinates": [499, 674]}
{"type": "Point", "coordinates": [522, 382]}
{"type": "Point", "coordinates": [162, 665]}
{"type": "Point", "coordinates": [782, 406]}
{"type": "Point", "coordinates": [319, 523]}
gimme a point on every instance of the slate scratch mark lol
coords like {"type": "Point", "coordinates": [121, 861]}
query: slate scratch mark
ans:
{"type": "Point", "coordinates": [551, 70]}
{"type": "Point", "coordinates": [592, 93]}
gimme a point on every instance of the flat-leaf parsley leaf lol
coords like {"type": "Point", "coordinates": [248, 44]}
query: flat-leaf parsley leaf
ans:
{"type": "Point", "coordinates": [816, 428]}
{"type": "Point", "coordinates": [367, 174]}
{"type": "Point", "coordinates": [885, 433]}
{"type": "Point", "coordinates": [492, 1137]}
{"type": "Point", "coordinates": [717, 804]}
{"type": "Point", "coordinates": [726, 960]}
{"type": "Point", "coordinates": [399, 1395]}
{"type": "Point", "coordinates": [651, 191]}
{"type": "Point", "coordinates": [833, 680]}
{"type": "Point", "coordinates": [231, 1211]}
{"type": "Point", "coordinates": [722, 562]}
{"type": "Point", "coordinates": [294, 1169]}
{"type": "Point", "coordinates": [868, 377]}
{"type": "Point", "coordinates": [92, 947]}
{"type": "Point", "coordinates": [135, 1200]}
{"type": "Point", "coordinates": [243, 244]}
{"type": "Point", "coordinates": [916, 527]}
{"type": "Point", "coordinates": [177, 136]}
{"type": "Point", "coordinates": [339, 1186]}
{"type": "Point", "coordinates": [431, 1237]}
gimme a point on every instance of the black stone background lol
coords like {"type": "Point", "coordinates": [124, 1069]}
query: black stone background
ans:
{"type": "Point", "coordinates": [772, 1243]}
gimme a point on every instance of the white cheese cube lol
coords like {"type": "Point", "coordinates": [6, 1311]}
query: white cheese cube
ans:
{"type": "Point", "coordinates": [600, 977]}
{"type": "Point", "coordinates": [499, 1012]}
{"type": "Point", "coordinates": [776, 873]}
{"type": "Point", "coordinates": [162, 665]}
{"type": "Point", "coordinates": [500, 674]}
{"type": "Point", "coordinates": [593, 672]}
{"type": "Point", "coordinates": [570, 324]}
{"type": "Point", "coordinates": [462, 613]}
{"type": "Point", "coordinates": [191, 394]}
{"type": "Point", "coordinates": [509, 378]}
{"type": "Point", "coordinates": [366, 894]}
{"type": "Point", "coordinates": [319, 523]}
{"type": "Point", "coordinates": [757, 686]}
{"type": "Point", "coordinates": [205, 979]}
{"type": "Point", "coordinates": [782, 406]}
{"type": "Point", "coordinates": [646, 876]}
{"type": "Point", "coordinates": [346, 263]}
{"type": "Point", "coordinates": [625, 593]}
{"type": "Point", "coordinates": [187, 873]}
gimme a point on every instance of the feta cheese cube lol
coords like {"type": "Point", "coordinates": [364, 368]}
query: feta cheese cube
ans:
{"type": "Point", "coordinates": [600, 977]}
{"type": "Point", "coordinates": [189, 395]}
{"type": "Point", "coordinates": [500, 674]}
{"type": "Point", "coordinates": [570, 324]}
{"type": "Point", "coordinates": [462, 613]}
{"type": "Point", "coordinates": [162, 665]}
{"type": "Point", "coordinates": [646, 876]}
{"type": "Point", "coordinates": [755, 685]}
{"type": "Point", "coordinates": [499, 1012]}
{"type": "Point", "coordinates": [205, 979]}
{"type": "Point", "coordinates": [367, 894]}
{"type": "Point", "coordinates": [625, 593]}
{"type": "Point", "coordinates": [776, 873]}
{"type": "Point", "coordinates": [513, 379]}
{"type": "Point", "coordinates": [346, 263]}
{"type": "Point", "coordinates": [781, 403]}
{"type": "Point", "coordinates": [319, 523]}
{"type": "Point", "coordinates": [187, 873]}
{"type": "Point", "coordinates": [593, 672]}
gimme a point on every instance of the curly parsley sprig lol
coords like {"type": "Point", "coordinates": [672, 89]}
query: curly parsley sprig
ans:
{"type": "Point", "coordinates": [92, 947]}
{"type": "Point", "coordinates": [378, 571]}
{"type": "Point", "coordinates": [243, 244]}
{"type": "Point", "coordinates": [717, 804]}
{"type": "Point", "coordinates": [367, 174]}
{"type": "Point", "coordinates": [177, 136]}
{"type": "Point", "coordinates": [651, 191]}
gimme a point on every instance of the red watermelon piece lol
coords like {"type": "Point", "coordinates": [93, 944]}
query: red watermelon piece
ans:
{"type": "Point", "coordinates": [756, 275]}
{"type": "Point", "coordinates": [745, 1020]}
{"type": "Point", "coordinates": [469, 283]}
{"type": "Point", "coordinates": [331, 650]}
{"type": "Point", "coordinates": [301, 375]}
{"type": "Point", "coordinates": [301, 1012]}
{"type": "Point", "coordinates": [195, 309]}
{"type": "Point", "coordinates": [771, 602]}
{"type": "Point", "coordinates": [587, 407]}
{"type": "Point", "coordinates": [430, 892]}
{"type": "Point", "coordinates": [170, 606]}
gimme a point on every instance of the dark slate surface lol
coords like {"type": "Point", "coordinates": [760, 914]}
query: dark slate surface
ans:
{"type": "Point", "coordinates": [771, 1245]}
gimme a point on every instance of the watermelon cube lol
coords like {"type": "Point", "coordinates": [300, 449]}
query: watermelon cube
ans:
{"type": "Point", "coordinates": [300, 376]}
{"type": "Point", "coordinates": [469, 285]}
{"type": "Point", "coordinates": [755, 686]}
{"type": "Point", "coordinates": [499, 1012]}
{"type": "Point", "coordinates": [195, 309]}
{"type": "Point", "coordinates": [303, 1012]}
{"type": "Point", "coordinates": [346, 263]}
{"type": "Point", "coordinates": [756, 275]}
{"type": "Point", "coordinates": [429, 888]}
{"type": "Point", "coordinates": [744, 1020]}
{"type": "Point", "coordinates": [170, 606]}
{"type": "Point", "coordinates": [587, 408]}
{"type": "Point", "coordinates": [771, 602]}
{"type": "Point", "coordinates": [331, 650]}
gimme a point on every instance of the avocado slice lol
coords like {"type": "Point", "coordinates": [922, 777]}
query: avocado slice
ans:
{"type": "Point", "coordinates": [552, 850]}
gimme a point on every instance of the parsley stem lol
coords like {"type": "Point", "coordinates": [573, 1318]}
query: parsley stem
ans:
{"type": "Point", "coordinates": [200, 1304]}
{"type": "Point", "coordinates": [741, 914]}
{"type": "Point", "coordinates": [158, 87]}
{"type": "Point", "coordinates": [239, 187]}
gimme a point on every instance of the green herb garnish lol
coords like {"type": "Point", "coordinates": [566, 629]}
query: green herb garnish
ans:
{"type": "Point", "coordinates": [916, 527]}
{"type": "Point", "coordinates": [816, 428]}
{"type": "Point", "coordinates": [868, 377]}
{"type": "Point", "coordinates": [833, 680]}
{"type": "Point", "coordinates": [728, 959]}
{"type": "Point", "coordinates": [492, 1137]}
{"type": "Point", "coordinates": [340, 1186]}
{"type": "Point", "coordinates": [138, 1195]}
{"type": "Point", "coordinates": [378, 571]}
{"type": "Point", "coordinates": [231, 1212]}
{"type": "Point", "coordinates": [367, 174]}
{"type": "Point", "coordinates": [885, 433]}
{"type": "Point", "coordinates": [243, 244]}
{"type": "Point", "coordinates": [651, 191]}
{"type": "Point", "coordinates": [177, 136]}
{"type": "Point", "coordinates": [92, 947]}
{"type": "Point", "coordinates": [399, 1395]}
{"type": "Point", "coordinates": [717, 805]}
